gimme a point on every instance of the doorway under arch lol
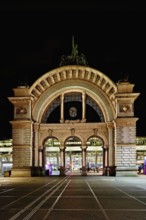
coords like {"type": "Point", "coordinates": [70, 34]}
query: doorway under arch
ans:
{"type": "Point", "coordinates": [73, 155]}
{"type": "Point", "coordinates": [94, 156]}
{"type": "Point", "coordinates": [52, 156]}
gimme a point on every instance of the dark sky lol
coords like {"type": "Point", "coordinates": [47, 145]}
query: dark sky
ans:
{"type": "Point", "coordinates": [33, 37]}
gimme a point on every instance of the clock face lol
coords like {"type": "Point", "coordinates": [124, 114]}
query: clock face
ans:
{"type": "Point", "coordinates": [73, 112]}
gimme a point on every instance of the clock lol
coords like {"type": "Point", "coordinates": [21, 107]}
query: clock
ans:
{"type": "Point", "coordinates": [73, 112]}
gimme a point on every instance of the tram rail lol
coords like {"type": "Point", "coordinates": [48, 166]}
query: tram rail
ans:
{"type": "Point", "coordinates": [73, 197]}
{"type": "Point", "coordinates": [31, 208]}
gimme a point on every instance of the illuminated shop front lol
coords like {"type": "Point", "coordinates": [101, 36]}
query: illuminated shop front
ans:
{"type": "Point", "coordinates": [5, 156]}
{"type": "Point", "coordinates": [140, 150]}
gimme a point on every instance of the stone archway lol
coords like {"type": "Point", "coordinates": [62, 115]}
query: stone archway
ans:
{"type": "Point", "coordinates": [89, 88]}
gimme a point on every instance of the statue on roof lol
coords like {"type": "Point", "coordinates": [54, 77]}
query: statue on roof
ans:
{"type": "Point", "coordinates": [74, 58]}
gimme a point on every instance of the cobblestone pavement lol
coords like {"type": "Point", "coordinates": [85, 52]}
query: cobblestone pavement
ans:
{"type": "Point", "coordinates": [73, 197]}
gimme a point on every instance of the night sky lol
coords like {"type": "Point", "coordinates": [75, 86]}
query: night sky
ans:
{"type": "Point", "coordinates": [34, 37]}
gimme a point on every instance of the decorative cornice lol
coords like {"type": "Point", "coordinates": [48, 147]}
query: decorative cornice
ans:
{"type": "Point", "coordinates": [73, 73]}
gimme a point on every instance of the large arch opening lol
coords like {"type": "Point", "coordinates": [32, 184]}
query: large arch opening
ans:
{"type": "Point", "coordinates": [73, 109]}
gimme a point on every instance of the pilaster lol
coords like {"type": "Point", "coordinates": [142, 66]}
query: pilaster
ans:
{"type": "Point", "coordinates": [22, 132]}
{"type": "Point", "coordinates": [125, 130]}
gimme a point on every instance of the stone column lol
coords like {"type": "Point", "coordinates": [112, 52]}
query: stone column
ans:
{"type": "Point", "coordinates": [37, 165]}
{"type": "Point", "coordinates": [35, 147]}
{"type": "Point", "coordinates": [62, 161]}
{"type": "Point", "coordinates": [105, 161]}
{"type": "Point", "coordinates": [62, 108]}
{"type": "Point", "coordinates": [83, 107]}
{"type": "Point", "coordinates": [40, 158]}
{"type": "Point", "coordinates": [38, 170]}
{"type": "Point", "coordinates": [84, 172]}
{"type": "Point", "coordinates": [111, 168]}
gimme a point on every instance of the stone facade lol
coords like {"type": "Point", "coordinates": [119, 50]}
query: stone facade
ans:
{"type": "Point", "coordinates": [114, 103]}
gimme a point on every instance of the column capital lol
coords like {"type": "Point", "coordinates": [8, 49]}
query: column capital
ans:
{"type": "Point", "coordinates": [83, 93]}
{"type": "Point", "coordinates": [36, 127]}
{"type": "Point", "coordinates": [110, 125]}
{"type": "Point", "coordinates": [83, 147]}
